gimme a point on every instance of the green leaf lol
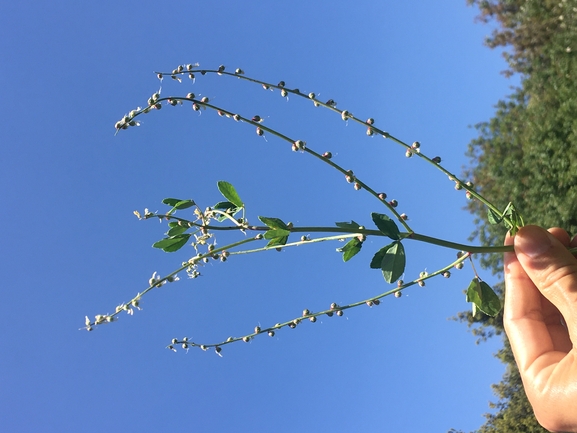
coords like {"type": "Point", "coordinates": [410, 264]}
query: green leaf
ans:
{"type": "Point", "coordinates": [171, 201]}
{"type": "Point", "coordinates": [273, 223]}
{"type": "Point", "coordinates": [379, 256]}
{"type": "Point", "coordinates": [393, 263]}
{"type": "Point", "coordinates": [386, 226]}
{"type": "Point", "coordinates": [276, 242]}
{"type": "Point", "coordinates": [172, 244]}
{"type": "Point", "coordinates": [493, 218]}
{"type": "Point", "coordinates": [184, 204]}
{"type": "Point", "coordinates": [345, 225]}
{"type": "Point", "coordinates": [228, 191]}
{"type": "Point", "coordinates": [228, 207]}
{"type": "Point", "coordinates": [276, 233]}
{"type": "Point", "coordinates": [483, 297]}
{"type": "Point", "coordinates": [176, 230]}
{"type": "Point", "coordinates": [350, 249]}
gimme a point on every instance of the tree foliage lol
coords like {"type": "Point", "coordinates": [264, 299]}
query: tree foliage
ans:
{"type": "Point", "coordinates": [526, 154]}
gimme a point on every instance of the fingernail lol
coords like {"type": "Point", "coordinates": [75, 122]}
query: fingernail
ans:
{"type": "Point", "coordinates": [532, 241]}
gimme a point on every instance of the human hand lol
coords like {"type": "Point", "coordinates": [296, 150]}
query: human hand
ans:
{"type": "Point", "coordinates": [540, 319]}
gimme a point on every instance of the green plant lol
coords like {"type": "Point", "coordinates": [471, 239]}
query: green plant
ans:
{"type": "Point", "coordinates": [229, 214]}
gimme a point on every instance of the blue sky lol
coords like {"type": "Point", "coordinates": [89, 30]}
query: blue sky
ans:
{"type": "Point", "coordinates": [71, 245]}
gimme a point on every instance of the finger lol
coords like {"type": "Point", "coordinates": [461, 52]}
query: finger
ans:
{"type": "Point", "coordinates": [552, 268]}
{"type": "Point", "coordinates": [524, 317]}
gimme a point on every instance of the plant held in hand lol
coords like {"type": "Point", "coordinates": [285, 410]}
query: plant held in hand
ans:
{"type": "Point", "coordinates": [199, 226]}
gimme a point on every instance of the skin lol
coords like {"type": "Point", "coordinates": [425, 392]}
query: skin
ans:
{"type": "Point", "coordinates": [540, 318]}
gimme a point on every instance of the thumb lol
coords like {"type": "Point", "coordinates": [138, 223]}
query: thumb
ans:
{"type": "Point", "coordinates": [552, 268]}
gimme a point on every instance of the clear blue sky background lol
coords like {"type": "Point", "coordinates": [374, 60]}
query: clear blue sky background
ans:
{"type": "Point", "coordinates": [72, 247]}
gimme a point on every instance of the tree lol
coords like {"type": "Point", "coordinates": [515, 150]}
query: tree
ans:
{"type": "Point", "coordinates": [526, 155]}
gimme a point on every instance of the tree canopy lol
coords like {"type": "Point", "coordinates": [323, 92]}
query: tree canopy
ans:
{"type": "Point", "coordinates": [526, 154]}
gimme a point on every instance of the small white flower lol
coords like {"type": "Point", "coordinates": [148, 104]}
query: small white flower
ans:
{"type": "Point", "coordinates": [154, 280]}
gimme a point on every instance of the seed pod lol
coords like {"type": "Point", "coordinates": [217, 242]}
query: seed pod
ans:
{"type": "Point", "coordinates": [340, 313]}
{"type": "Point", "coordinates": [184, 346]}
{"type": "Point", "coordinates": [400, 283]}
{"type": "Point", "coordinates": [404, 216]}
{"type": "Point", "coordinates": [281, 84]}
{"type": "Point", "coordinates": [304, 238]}
{"type": "Point", "coordinates": [217, 349]}
{"type": "Point", "coordinates": [221, 68]}
{"type": "Point", "coordinates": [292, 325]}
{"type": "Point", "coordinates": [259, 236]}
{"type": "Point", "coordinates": [236, 117]}
{"type": "Point", "coordinates": [330, 314]}
{"type": "Point", "coordinates": [398, 294]}
{"type": "Point", "coordinates": [189, 67]}
{"type": "Point", "coordinates": [229, 339]}
{"type": "Point", "coordinates": [306, 312]}
{"type": "Point", "coordinates": [458, 186]}
{"type": "Point", "coordinates": [174, 341]}
{"type": "Point", "coordinates": [469, 184]}
{"type": "Point", "coordinates": [331, 103]}
{"type": "Point", "coordinates": [376, 301]}
{"type": "Point", "coordinates": [172, 102]}
{"type": "Point", "coordinates": [203, 347]}
{"type": "Point", "coordinates": [256, 329]}
{"type": "Point", "coordinates": [334, 306]}
{"type": "Point", "coordinates": [239, 71]}
{"type": "Point", "coordinates": [437, 159]}
{"type": "Point", "coordinates": [195, 106]}
{"type": "Point", "coordinates": [469, 195]}
{"type": "Point", "coordinates": [312, 95]}
{"type": "Point", "coordinates": [257, 118]}
{"type": "Point", "coordinates": [191, 76]}
{"type": "Point", "coordinates": [271, 333]}
{"type": "Point", "coordinates": [265, 86]}
{"type": "Point", "coordinates": [327, 155]}
{"type": "Point", "coordinates": [416, 145]}
{"type": "Point", "coordinates": [246, 339]}
{"type": "Point", "coordinates": [382, 196]}
{"type": "Point", "coordinates": [357, 186]}
{"type": "Point", "coordinates": [370, 121]}
{"type": "Point", "coordinates": [345, 114]}
{"type": "Point", "coordinates": [313, 319]}
{"type": "Point", "coordinates": [158, 106]}
{"type": "Point", "coordinates": [369, 303]}
{"type": "Point", "coordinates": [370, 131]}
{"type": "Point", "coordinates": [204, 100]}
{"type": "Point", "coordinates": [446, 274]}
{"type": "Point", "coordinates": [459, 265]}
{"type": "Point", "coordinates": [421, 283]}
{"type": "Point", "coordinates": [159, 76]}
{"type": "Point", "coordinates": [180, 68]}
{"type": "Point", "coordinates": [408, 153]}
{"type": "Point", "coordinates": [283, 93]}
{"type": "Point", "coordinates": [259, 131]}
{"type": "Point", "coordinates": [394, 203]}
